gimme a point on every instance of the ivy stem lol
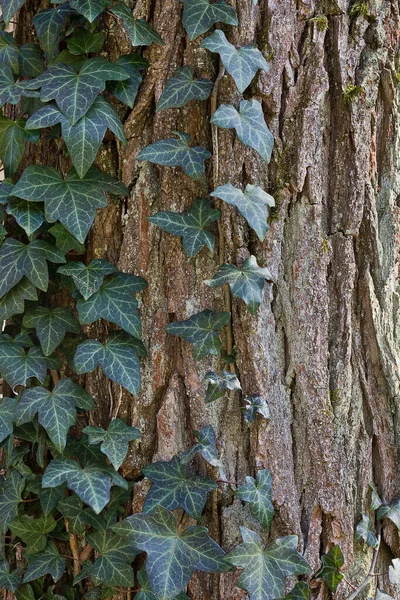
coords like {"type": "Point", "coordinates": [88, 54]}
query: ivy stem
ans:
{"type": "Point", "coordinates": [349, 583]}
{"type": "Point", "coordinates": [371, 573]}
{"type": "Point", "coordinates": [229, 482]}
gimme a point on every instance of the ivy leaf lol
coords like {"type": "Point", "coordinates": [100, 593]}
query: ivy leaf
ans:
{"type": "Point", "coordinates": [65, 241]}
{"type": "Point", "coordinates": [265, 570]}
{"type": "Point", "coordinates": [9, 51]}
{"type": "Point", "coordinates": [329, 571]}
{"type": "Point", "coordinates": [30, 60]}
{"type": "Point", "coordinates": [201, 331]}
{"type": "Point", "coordinates": [51, 325]}
{"type": "Point", "coordinates": [174, 153]}
{"type": "Point", "coordinates": [90, 9]}
{"type": "Point", "coordinates": [10, 496]}
{"type": "Point", "coordinates": [126, 91]}
{"type": "Point", "coordinates": [206, 446]}
{"type": "Point", "coordinates": [12, 303]}
{"type": "Point", "coordinates": [49, 24]}
{"type": "Point", "coordinates": [8, 10]}
{"type": "Point", "coordinates": [114, 441]}
{"type": "Point", "coordinates": [18, 259]}
{"type": "Point", "coordinates": [118, 358]}
{"type": "Point", "coordinates": [200, 15]}
{"type": "Point", "coordinates": [72, 510]}
{"type": "Point", "coordinates": [12, 143]}
{"type": "Point", "coordinates": [246, 283]}
{"type": "Point", "coordinates": [28, 215]}
{"type": "Point", "coordinates": [394, 571]}
{"type": "Point", "coordinates": [376, 502]}
{"type": "Point", "coordinates": [33, 532]}
{"type": "Point", "coordinates": [255, 404]}
{"type": "Point", "coordinates": [7, 408]}
{"type": "Point", "coordinates": [75, 92]}
{"type": "Point", "coordinates": [56, 409]}
{"type": "Point", "coordinates": [47, 562]}
{"type": "Point", "coordinates": [190, 225]}
{"type": "Point", "coordinates": [172, 557]}
{"type": "Point", "coordinates": [140, 32]}
{"type": "Point", "coordinates": [217, 384]}
{"type": "Point", "coordinates": [249, 124]}
{"type": "Point", "coordinates": [88, 279]}
{"type": "Point", "coordinates": [301, 591]}
{"type": "Point", "coordinates": [9, 581]}
{"type": "Point", "coordinates": [49, 498]}
{"type": "Point", "coordinates": [73, 201]}
{"type": "Point", "coordinates": [391, 512]}
{"type": "Point", "coordinates": [18, 365]}
{"type": "Point", "coordinates": [112, 566]}
{"type": "Point", "coordinates": [182, 87]}
{"type": "Point", "coordinates": [114, 302]}
{"type": "Point", "coordinates": [253, 205]}
{"type": "Point", "coordinates": [10, 92]}
{"type": "Point", "coordinates": [145, 592]}
{"type": "Point", "coordinates": [174, 486]}
{"type": "Point", "coordinates": [83, 140]}
{"type": "Point", "coordinates": [84, 42]}
{"type": "Point", "coordinates": [241, 63]}
{"type": "Point", "coordinates": [365, 531]}
{"type": "Point", "coordinates": [258, 493]}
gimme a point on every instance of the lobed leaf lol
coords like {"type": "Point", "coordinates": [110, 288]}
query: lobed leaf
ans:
{"type": "Point", "coordinates": [17, 365]}
{"type": "Point", "coordinates": [9, 581]}
{"type": "Point", "coordinates": [7, 409]}
{"type": "Point", "coordinates": [201, 331]}
{"type": "Point", "coordinates": [140, 32]}
{"type": "Point", "coordinates": [255, 404]}
{"type": "Point", "coordinates": [90, 9]}
{"type": "Point", "coordinates": [206, 446]}
{"type": "Point", "coordinates": [126, 90]}
{"type": "Point", "coordinates": [200, 15]}
{"type": "Point", "coordinates": [51, 325]}
{"type": "Point", "coordinates": [258, 493]}
{"type": "Point", "coordinates": [218, 384]}
{"type": "Point", "coordinates": [182, 87]}
{"type": "Point", "coordinates": [114, 441]}
{"type": "Point", "coordinates": [112, 567]}
{"type": "Point", "coordinates": [11, 490]}
{"type": "Point", "coordinates": [330, 569]}
{"type": "Point", "coordinates": [33, 532]}
{"type": "Point", "coordinates": [48, 562]}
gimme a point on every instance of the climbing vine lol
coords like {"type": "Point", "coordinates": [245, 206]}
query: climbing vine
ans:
{"type": "Point", "coordinates": [62, 497]}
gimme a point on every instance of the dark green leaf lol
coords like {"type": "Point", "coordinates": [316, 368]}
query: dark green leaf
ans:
{"type": "Point", "coordinates": [126, 91]}
{"type": "Point", "coordinates": [200, 15]}
{"type": "Point", "coordinates": [253, 204]}
{"type": "Point", "coordinates": [114, 441]}
{"type": "Point", "coordinates": [12, 144]}
{"type": "Point", "coordinates": [255, 404]}
{"type": "Point", "coordinates": [25, 592]}
{"type": "Point", "coordinates": [72, 510]}
{"type": "Point", "coordinates": [265, 570]}
{"type": "Point", "coordinates": [7, 409]}
{"type": "Point", "coordinates": [49, 498]}
{"type": "Point", "coordinates": [218, 384]}
{"type": "Point", "coordinates": [47, 562]}
{"type": "Point", "coordinates": [206, 446]}
{"type": "Point", "coordinates": [18, 365]}
{"type": "Point", "coordinates": [145, 592]}
{"type": "Point", "coordinates": [249, 124]}
{"type": "Point", "coordinates": [365, 531]}
{"type": "Point", "coordinates": [51, 325]}
{"type": "Point", "coordinates": [115, 553]}
{"type": "Point", "coordinates": [10, 496]}
{"type": "Point", "coordinates": [10, 92]}
{"type": "Point", "coordinates": [201, 331]}
{"type": "Point", "coordinates": [8, 10]}
{"type": "Point", "coordinates": [241, 63]}
{"type": "Point", "coordinates": [258, 493]}
{"type": "Point", "coordinates": [390, 511]}
{"type": "Point", "coordinates": [177, 152]}
{"type": "Point", "coordinates": [33, 532]}
{"type": "Point", "coordinates": [329, 571]}
{"type": "Point", "coordinates": [30, 60]}
{"type": "Point", "coordinates": [49, 24]}
{"type": "Point", "coordinates": [85, 41]}
{"type": "Point", "coordinates": [190, 225]}
{"type": "Point", "coordinates": [90, 9]}
{"type": "Point", "coordinates": [172, 557]}
{"type": "Point", "coordinates": [56, 409]}
{"type": "Point", "coordinates": [9, 51]}
{"type": "Point", "coordinates": [29, 215]}
{"type": "Point", "coordinates": [9, 581]}
{"type": "Point", "coordinates": [89, 278]}
{"type": "Point", "coordinates": [65, 241]}
{"type": "Point", "coordinates": [182, 88]}
{"type": "Point", "coordinates": [301, 591]}
{"type": "Point", "coordinates": [140, 32]}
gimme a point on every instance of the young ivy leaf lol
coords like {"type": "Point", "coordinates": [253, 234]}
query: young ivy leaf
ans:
{"type": "Point", "coordinates": [114, 441]}
{"type": "Point", "coordinates": [112, 565]}
{"type": "Point", "coordinates": [48, 24]}
{"type": "Point", "coordinates": [73, 201]}
{"type": "Point", "coordinates": [126, 91]}
{"type": "Point", "coordinates": [255, 404]}
{"type": "Point", "coordinates": [177, 153]}
{"type": "Point", "coordinates": [48, 562]}
{"type": "Point", "coordinates": [218, 384]}
{"type": "Point", "coordinates": [18, 365]}
{"type": "Point", "coordinates": [83, 139]}
{"type": "Point", "coordinates": [75, 92]}
{"type": "Point", "coordinates": [258, 493]}
{"type": "Point", "coordinates": [174, 486]}
{"type": "Point", "coordinates": [10, 496]}
{"type": "Point", "coordinates": [301, 591]}
{"type": "Point", "coordinates": [56, 410]}
{"type": "Point", "coordinates": [246, 283]}
{"type": "Point", "coordinates": [241, 63]}
{"type": "Point", "coordinates": [329, 571]}
{"type": "Point", "coordinates": [172, 556]}
{"type": "Point", "coordinates": [90, 9]}
{"type": "Point", "coordinates": [9, 581]}
{"type": "Point", "coordinates": [253, 205]}
{"type": "Point", "coordinates": [12, 143]}
{"type": "Point", "coordinates": [365, 531]}
{"type": "Point", "coordinates": [182, 87]}
{"type": "Point", "coordinates": [84, 42]}
{"type": "Point", "coordinates": [114, 302]}
{"type": "Point", "coordinates": [118, 358]}
{"type": "Point", "coordinates": [190, 225]}
{"type": "Point", "coordinates": [33, 532]}
{"type": "Point", "coordinates": [51, 325]}
{"type": "Point", "coordinates": [29, 215]}
{"type": "Point", "coordinates": [390, 511]}
{"type": "Point", "coordinates": [200, 15]}
{"type": "Point", "coordinates": [201, 331]}
{"type": "Point", "coordinates": [206, 446]}
{"type": "Point", "coordinates": [140, 32]}
{"type": "Point", "coordinates": [146, 593]}
{"type": "Point", "coordinates": [249, 124]}
{"type": "Point", "coordinates": [65, 241]}
{"type": "Point", "coordinates": [265, 570]}
{"type": "Point", "coordinates": [88, 279]}
{"type": "Point", "coordinates": [7, 408]}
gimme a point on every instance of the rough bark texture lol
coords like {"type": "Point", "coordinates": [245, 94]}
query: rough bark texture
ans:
{"type": "Point", "coordinates": [324, 346]}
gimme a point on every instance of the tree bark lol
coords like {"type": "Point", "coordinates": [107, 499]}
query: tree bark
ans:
{"type": "Point", "coordinates": [324, 347]}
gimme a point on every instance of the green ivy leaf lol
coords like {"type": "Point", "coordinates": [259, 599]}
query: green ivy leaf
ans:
{"type": "Point", "coordinates": [206, 446]}
{"type": "Point", "coordinates": [201, 331]}
{"type": "Point", "coordinates": [65, 241]}
{"type": "Point", "coordinates": [246, 283]}
{"type": "Point", "coordinates": [17, 365]}
{"type": "Point", "coordinates": [9, 581]}
{"type": "Point", "coordinates": [172, 557]}
{"type": "Point", "coordinates": [265, 570]}
{"type": "Point", "coordinates": [10, 496]}
{"type": "Point", "coordinates": [9, 51]}
{"type": "Point", "coordinates": [253, 205]}
{"type": "Point", "coordinates": [126, 91]}
{"type": "Point", "coordinates": [391, 512]}
{"type": "Point", "coordinates": [190, 225]}
{"type": "Point", "coordinates": [114, 441]}
{"type": "Point", "coordinates": [49, 498]}
{"type": "Point", "coordinates": [30, 60]}
{"type": "Point", "coordinates": [301, 591]}
{"type": "Point", "coordinates": [218, 384]}
{"type": "Point", "coordinates": [7, 408]}
{"type": "Point", "coordinates": [140, 32]}
{"type": "Point", "coordinates": [329, 571]}
{"type": "Point", "coordinates": [177, 152]}
{"type": "Point", "coordinates": [29, 215]}
{"type": "Point", "coordinates": [88, 279]}
{"type": "Point", "coordinates": [49, 24]}
{"type": "Point", "coordinates": [365, 531]}
{"type": "Point", "coordinates": [112, 566]}
{"type": "Point", "coordinates": [83, 140]}
{"type": "Point", "coordinates": [51, 325]}
{"type": "Point", "coordinates": [145, 592]}
{"type": "Point", "coordinates": [72, 510]}
{"type": "Point", "coordinates": [12, 143]}
{"type": "Point", "coordinates": [174, 486]}
{"type": "Point", "coordinates": [56, 409]}
{"type": "Point", "coordinates": [8, 10]}
{"type": "Point", "coordinates": [118, 358]}
{"type": "Point", "coordinates": [258, 493]}
{"type": "Point", "coordinates": [84, 42]}
{"type": "Point", "coordinates": [182, 87]}
{"type": "Point", "coordinates": [254, 405]}
{"type": "Point", "coordinates": [249, 124]}
{"type": "Point", "coordinates": [75, 92]}
{"type": "Point", "coordinates": [10, 92]}
{"type": "Point", "coordinates": [18, 259]}
{"type": "Point", "coordinates": [73, 201]}
{"type": "Point", "coordinates": [114, 302]}
{"type": "Point", "coordinates": [241, 63]}
{"type": "Point", "coordinates": [90, 9]}
{"type": "Point", "coordinates": [200, 15]}
{"type": "Point", "coordinates": [47, 562]}
{"type": "Point", "coordinates": [33, 532]}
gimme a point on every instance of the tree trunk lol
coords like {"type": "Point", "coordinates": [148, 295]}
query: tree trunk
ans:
{"type": "Point", "coordinates": [324, 347]}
